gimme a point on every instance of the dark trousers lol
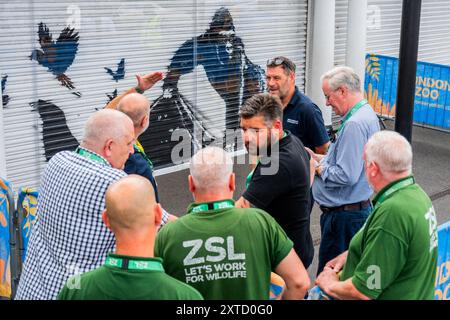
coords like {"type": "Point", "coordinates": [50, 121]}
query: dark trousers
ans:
{"type": "Point", "coordinates": [337, 229]}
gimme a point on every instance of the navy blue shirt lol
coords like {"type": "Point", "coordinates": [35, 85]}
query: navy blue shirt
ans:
{"type": "Point", "coordinates": [303, 118]}
{"type": "Point", "coordinates": [137, 164]}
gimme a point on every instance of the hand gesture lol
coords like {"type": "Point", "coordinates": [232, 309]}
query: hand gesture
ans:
{"type": "Point", "coordinates": [147, 81]}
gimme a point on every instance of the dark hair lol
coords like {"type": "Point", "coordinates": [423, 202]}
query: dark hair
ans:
{"type": "Point", "coordinates": [262, 104]}
{"type": "Point", "coordinates": [284, 62]}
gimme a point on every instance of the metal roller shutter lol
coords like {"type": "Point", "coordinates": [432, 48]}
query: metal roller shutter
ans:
{"type": "Point", "coordinates": [53, 91]}
{"type": "Point", "coordinates": [383, 30]}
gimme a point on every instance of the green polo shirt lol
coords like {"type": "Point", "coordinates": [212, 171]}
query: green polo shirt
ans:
{"type": "Point", "coordinates": [222, 251]}
{"type": "Point", "coordinates": [394, 255]}
{"type": "Point", "coordinates": [120, 280]}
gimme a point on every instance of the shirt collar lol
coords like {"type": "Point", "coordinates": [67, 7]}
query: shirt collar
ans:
{"type": "Point", "coordinates": [385, 188]}
{"type": "Point", "coordinates": [295, 98]}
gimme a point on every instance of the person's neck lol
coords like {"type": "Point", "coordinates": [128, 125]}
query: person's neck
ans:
{"type": "Point", "coordinates": [387, 179]}
{"type": "Point", "coordinates": [202, 198]}
{"type": "Point", "coordinates": [287, 98]}
{"type": "Point", "coordinates": [353, 100]}
{"type": "Point", "coordinates": [135, 246]}
{"type": "Point", "coordinates": [92, 148]}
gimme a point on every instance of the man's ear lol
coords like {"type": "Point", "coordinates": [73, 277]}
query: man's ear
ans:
{"type": "Point", "coordinates": [107, 147]}
{"type": "Point", "coordinates": [277, 124]}
{"type": "Point", "coordinates": [375, 169]}
{"type": "Point", "coordinates": [144, 121]}
{"type": "Point", "coordinates": [158, 214]}
{"type": "Point", "coordinates": [232, 182]}
{"type": "Point", "coordinates": [191, 184]}
{"type": "Point", "coordinates": [292, 76]}
{"type": "Point", "coordinates": [106, 219]}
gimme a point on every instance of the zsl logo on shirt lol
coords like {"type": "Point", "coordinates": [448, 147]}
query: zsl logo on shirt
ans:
{"type": "Point", "coordinates": [213, 266]}
{"type": "Point", "coordinates": [292, 121]}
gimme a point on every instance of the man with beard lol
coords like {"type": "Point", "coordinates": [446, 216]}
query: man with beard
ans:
{"type": "Point", "coordinates": [280, 183]}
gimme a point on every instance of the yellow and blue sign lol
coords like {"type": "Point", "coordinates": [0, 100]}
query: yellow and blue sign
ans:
{"type": "Point", "coordinates": [5, 251]}
{"type": "Point", "coordinates": [442, 288]}
{"type": "Point", "coordinates": [432, 96]}
{"type": "Point", "coordinates": [28, 204]}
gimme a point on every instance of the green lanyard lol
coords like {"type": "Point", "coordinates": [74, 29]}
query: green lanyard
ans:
{"type": "Point", "coordinates": [148, 265]}
{"type": "Point", "coordinates": [351, 112]}
{"type": "Point", "coordinates": [379, 199]}
{"type": "Point", "coordinates": [138, 148]}
{"type": "Point", "coordinates": [90, 155]}
{"type": "Point", "coordinates": [213, 206]}
{"type": "Point", "coordinates": [395, 187]}
{"type": "Point", "coordinates": [250, 175]}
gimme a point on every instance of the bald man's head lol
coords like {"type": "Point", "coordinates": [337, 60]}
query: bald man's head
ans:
{"type": "Point", "coordinates": [130, 204]}
{"type": "Point", "coordinates": [137, 107]}
{"type": "Point", "coordinates": [106, 124]}
{"type": "Point", "coordinates": [110, 133]}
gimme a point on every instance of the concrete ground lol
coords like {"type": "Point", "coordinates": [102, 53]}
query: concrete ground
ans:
{"type": "Point", "coordinates": [431, 167]}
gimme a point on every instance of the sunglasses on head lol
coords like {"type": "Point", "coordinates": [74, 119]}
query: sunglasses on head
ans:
{"type": "Point", "coordinates": [275, 61]}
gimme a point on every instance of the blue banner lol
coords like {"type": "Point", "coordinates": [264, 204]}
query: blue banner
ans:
{"type": "Point", "coordinates": [5, 252]}
{"type": "Point", "coordinates": [442, 291]}
{"type": "Point", "coordinates": [28, 205]}
{"type": "Point", "coordinates": [432, 97]}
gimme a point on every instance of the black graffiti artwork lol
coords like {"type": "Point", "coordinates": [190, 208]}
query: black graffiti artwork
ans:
{"type": "Point", "coordinates": [56, 135]}
{"type": "Point", "coordinates": [111, 96]}
{"type": "Point", "coordinates": [5, 97]}
{"type": "Point", "coordinates": [230, 72]}
{"type": "Point", "coordinates": [57, 56]}
{"type": "Point", "coordinates": [119, 74]}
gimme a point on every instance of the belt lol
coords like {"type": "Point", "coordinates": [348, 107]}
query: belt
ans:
{"type": "Point", "coordinates": [347, 207]}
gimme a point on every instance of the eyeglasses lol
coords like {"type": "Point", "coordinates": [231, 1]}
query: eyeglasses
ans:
{"type": "Point", "coordinates": [327, 96]}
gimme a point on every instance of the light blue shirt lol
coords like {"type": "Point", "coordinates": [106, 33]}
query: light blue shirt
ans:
{"type": "Point", "coordinates": [343, 180]}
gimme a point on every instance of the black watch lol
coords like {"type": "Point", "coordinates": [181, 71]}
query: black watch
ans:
{"type": "Point", "coordinates": [139, 90]}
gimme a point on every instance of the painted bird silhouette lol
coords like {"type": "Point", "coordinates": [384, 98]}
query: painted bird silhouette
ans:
{"type": "Point", "coordinates": [120, 73]}
{"type": "Point", "coordinates": [5, 97]}
{"type": "Point", "coordinates": [56, 135]}
{"type": "Point", "coordinates": [57, 56]}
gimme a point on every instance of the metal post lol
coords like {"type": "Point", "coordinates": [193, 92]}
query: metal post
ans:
{"type": "Point", "coordinates": [409, 42]}
{"type": "Point", "coordinates": [355, 53]}
{"type": "Point", "coordinates": [322, 51]}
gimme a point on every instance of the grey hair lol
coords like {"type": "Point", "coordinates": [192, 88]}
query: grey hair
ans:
{"type": "Point", "coordinates": [211, 168]}
{"type": "Point", "coordinates": [391, 151]}
{"type": "Point", "coordinates": [342, 76]}
{"type": "Point", "coordinates": [105, 124]}
{"type": "Point", "coordinates": [287, 64]}
{"type": "Point", "coordinates": [262, 104]}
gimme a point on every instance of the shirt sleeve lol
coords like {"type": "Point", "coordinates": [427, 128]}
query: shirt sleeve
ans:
{"type": "Point", "coordinates": [382, 259]}
{"type": "Point", "coordinates": [281, 245]}
{"type": "Point", "coordinates": [315, 127]}
{"type": "Point", "coordinates": [349, 163]}
{"type": "Point", "coordinates": [62, 294]}
{"type": "Point", "coordinates": [264, 188]}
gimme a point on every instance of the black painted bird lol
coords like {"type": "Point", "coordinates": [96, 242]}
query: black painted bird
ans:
{"type": "Point", "coordinates": [56, 135]}
{"type": "Point", "coordinates": [120, 73]}
{"type": "Point", "coordinates": [111, 96]}
{"type": "Point", "coordinates": [57, 56]}
{"type": "Point", "coordinates": [5, 97]}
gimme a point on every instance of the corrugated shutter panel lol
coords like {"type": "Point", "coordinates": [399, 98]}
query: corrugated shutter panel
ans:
{"type": "Point", "coordinates": [147, 35]}
{"type": "Point", "coordinates": [383, 30]}
{"type": "Point", "coordinates": [340, 35]}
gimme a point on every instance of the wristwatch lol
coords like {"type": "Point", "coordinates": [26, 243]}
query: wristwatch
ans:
{"type": "Point", "coordinates": [139, 90]}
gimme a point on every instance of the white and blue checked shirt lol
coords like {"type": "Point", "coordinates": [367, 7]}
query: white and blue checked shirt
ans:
{"type": "Point", "coordinates": [69, 236]}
